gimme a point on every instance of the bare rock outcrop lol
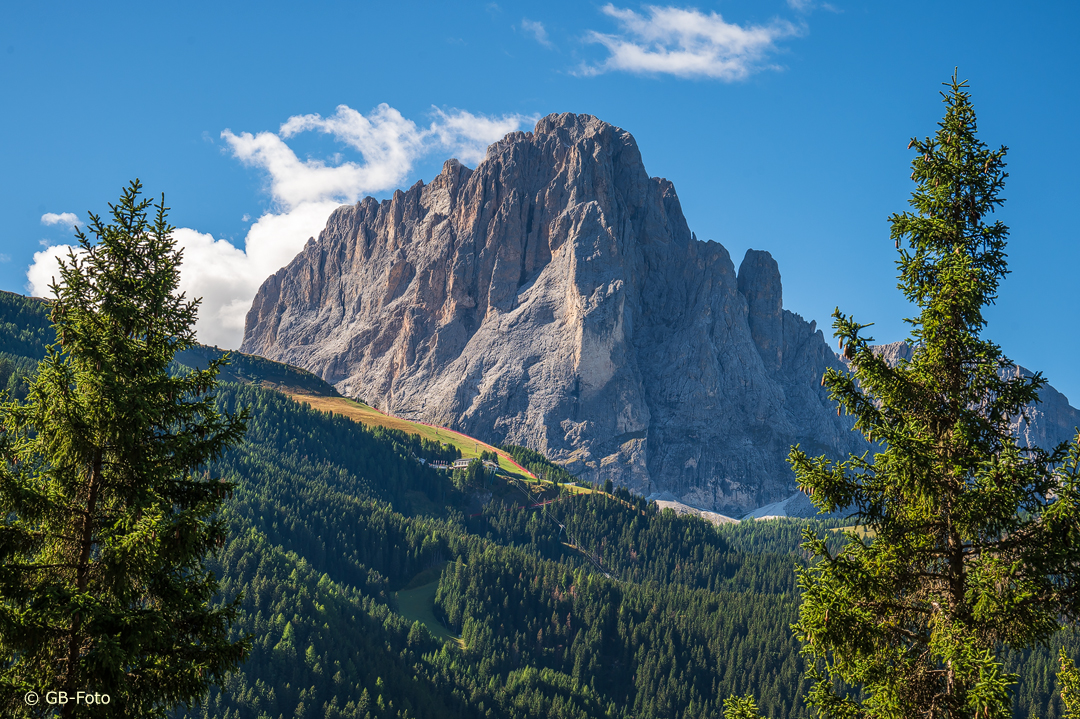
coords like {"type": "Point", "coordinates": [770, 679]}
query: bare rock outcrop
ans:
{"type": "Point", "coordinates": [554, 297]}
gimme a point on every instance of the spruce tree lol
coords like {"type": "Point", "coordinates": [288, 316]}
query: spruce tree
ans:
{"type": "Point", "coordinates": [107, 509]}
{"type": "Point", "coordinates": [970, 542]}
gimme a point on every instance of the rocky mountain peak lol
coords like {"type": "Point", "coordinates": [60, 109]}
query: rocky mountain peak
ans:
{"type": "Point", "coordinates": [759, 283]}
{"type": "Point", "coordinates": [554, 297]}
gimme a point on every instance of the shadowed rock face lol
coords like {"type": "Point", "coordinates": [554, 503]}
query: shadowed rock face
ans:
{"type": "Point", "coordinates": [554, 297]}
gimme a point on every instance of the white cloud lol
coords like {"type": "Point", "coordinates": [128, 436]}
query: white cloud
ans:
{"type": "Point", "coordinates": [686, 43]}
{"type": "Point", "coordinates": [293, 181]}
{"type": "Point", "coordinates": [390, 143]}
{"type": "Point", "coordinates": [46, 269]}
{"type": "Point", "coordinates": [806, 6]}
{"type": "Point", "coordinates": [537, 30]}
{"type": "Point", "coordinates": [303, 193]}
{"type": "Point", "coordinates": [467, 136]}
{"type": "Point", "coordinates": [67, 219]}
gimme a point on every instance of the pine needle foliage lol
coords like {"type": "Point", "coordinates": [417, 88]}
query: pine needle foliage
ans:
{"type": "Point", "coordinates": [1069, 679]}
{"type": "Point", "coordinates": [743, 707]}
{"type": "Point", "coordinates": [107, 510]}
{"type": "Point", "coordinates": [973, 541]}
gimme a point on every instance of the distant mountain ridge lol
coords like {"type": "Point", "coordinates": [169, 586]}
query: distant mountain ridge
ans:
{"type": "Point", "coordinates": [26, 330]}
{"type": "Point", "coordinates": [1049, 422]}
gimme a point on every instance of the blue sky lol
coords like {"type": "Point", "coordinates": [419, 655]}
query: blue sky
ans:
{"type": "Point", "coordinates": [783, 125]}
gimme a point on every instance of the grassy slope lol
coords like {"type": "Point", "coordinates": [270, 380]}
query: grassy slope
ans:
{"type": "Point", "coordinates": [416, 602]}
{"type": "Point", "coordinates": [470, 447]}
{"type": "Point", "coordinates": [418, 605]}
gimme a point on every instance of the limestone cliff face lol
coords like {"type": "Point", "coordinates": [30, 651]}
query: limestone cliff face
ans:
{"type": "Point", "coordinates": [554, 297]}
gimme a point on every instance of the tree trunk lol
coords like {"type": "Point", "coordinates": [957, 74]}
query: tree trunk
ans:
{"type": "Point", "coordinates": [82, 580]}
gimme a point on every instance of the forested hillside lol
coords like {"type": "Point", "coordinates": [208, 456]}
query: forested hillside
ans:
{"type": "Point", "coordinates": [321, 548]}
{"type": "Point", "coordinates": [25, 328]}
{"type": "Point", "coordinates": [691, 614]}
{"type": "Point", "coordinates": [592, 605]}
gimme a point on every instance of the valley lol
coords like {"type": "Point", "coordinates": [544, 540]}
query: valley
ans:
{"type": "Point", "coordinates": [371, 591]}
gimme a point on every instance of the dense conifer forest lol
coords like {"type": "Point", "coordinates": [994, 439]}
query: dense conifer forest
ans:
{"type": "Point", "coordinates": [592, 605]}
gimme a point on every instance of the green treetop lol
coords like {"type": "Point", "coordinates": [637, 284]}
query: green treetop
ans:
{"type": "Point", "coordinates": [972, 541]}
{"type": "Point", "coordinates": [107, 513]}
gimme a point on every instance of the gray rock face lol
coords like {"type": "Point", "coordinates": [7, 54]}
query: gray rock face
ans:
{"type": "Point", "coordinates": [554, 297]}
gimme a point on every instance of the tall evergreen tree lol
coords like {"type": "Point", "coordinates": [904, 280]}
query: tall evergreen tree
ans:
{"type": "Point", "coordinates": [107, 511]}
{"type": "Point", "coordinates": [972, 541]}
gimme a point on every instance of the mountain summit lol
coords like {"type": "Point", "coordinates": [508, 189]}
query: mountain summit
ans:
{"type": "Point", "coordinates": [555, 298]}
